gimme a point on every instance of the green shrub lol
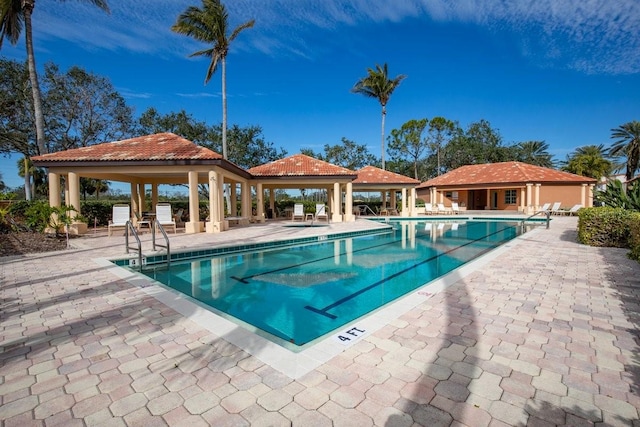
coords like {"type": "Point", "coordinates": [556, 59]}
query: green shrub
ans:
{"type": "Point", "coordinates": [97, 212]}
{"type": "Point", "coordinates": [604, 227]}
{"type": "Point", "coordinates": [634, 237]}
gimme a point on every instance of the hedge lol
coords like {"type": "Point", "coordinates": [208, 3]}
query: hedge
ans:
{"type": "Point", "coordinates": [610, 227]}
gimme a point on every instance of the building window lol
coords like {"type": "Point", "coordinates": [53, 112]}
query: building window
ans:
{"type": "Point", "coordinates": [511, 197]}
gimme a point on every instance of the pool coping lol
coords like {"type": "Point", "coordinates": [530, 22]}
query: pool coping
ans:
{"type": "Point", "coordinates": [297, 364]}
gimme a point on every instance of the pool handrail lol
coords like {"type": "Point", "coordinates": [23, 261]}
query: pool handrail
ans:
{"type": "Point", "coordinates": [166, 239]}
{"type": "Point", "coordinates": [131, 228]}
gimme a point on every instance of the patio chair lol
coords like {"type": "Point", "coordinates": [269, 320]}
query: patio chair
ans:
{"type": "Point", "coordinates": [545, 207]}
{"type": "Point", "coordinates": [119, 217]}
{"type": "Point", "coordinates": [164, 216]}
{"type": "Point", "coordinates": [455, 208]}
{"type": "Point", "coordinates": [298, 212]}
{"type": "Point", "coordinates": [442, 209]}
{"type": "Point", "coordinates": [555, 209]}
{"type": "Point", "coordinates": [321, 212]}
{"type": "Point", "coordinates": [178, 216]}
{"type": "Point", "coordinates": [428, 209]}
{"type": "Point", "coordinates": [574, 209]}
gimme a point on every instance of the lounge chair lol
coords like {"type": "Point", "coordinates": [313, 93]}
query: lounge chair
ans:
{"type": "Point", "coordinates": [555, 209]}
{"type": "Point", "coordinates": [119, 217]}
{"type": "Point", "coordinates": [298, 212]}
{"type": "Point", "coordinates": [574, 209]}
{"type": "Point", "coordinates": [544, 207]}
{"type": "Point", "coordinates": [455, 208]}
{"type": "Point", "coordinates": [442, 209]}
{"type": "Point", "coordinates": [321, 212]}
{"type": "Point", "coordinates": [164, 216]}
{"type": "Point", "coordinates": [428, 208]}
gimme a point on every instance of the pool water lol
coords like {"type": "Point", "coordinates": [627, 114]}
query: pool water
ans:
{"type": "Point", "coordinates": [303, 292]}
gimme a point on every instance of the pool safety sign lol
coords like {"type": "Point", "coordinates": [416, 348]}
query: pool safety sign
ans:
{"type": "Point", "coordinates": [350, 336]}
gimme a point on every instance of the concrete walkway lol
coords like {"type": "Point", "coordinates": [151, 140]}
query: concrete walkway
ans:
{"type": "Point", "coordinates": [542, 333]}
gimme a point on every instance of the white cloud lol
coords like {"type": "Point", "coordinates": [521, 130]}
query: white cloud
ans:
{"type": "Point", "coordinates": [593, 36]}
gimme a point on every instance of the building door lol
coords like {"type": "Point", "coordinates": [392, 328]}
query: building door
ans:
{"type": "Point", "coordinates": [494, 200]}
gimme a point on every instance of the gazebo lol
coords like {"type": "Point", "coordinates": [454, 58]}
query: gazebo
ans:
{"type": "Point", "coordinates": [371, 178]}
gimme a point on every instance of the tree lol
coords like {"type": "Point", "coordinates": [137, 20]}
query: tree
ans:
{"type": "Point", "coordinates": [83, 109]}
{"type": "Point", "coordinates": [349, 154]}
{"type": "Point", "coordinates": [378, 85]}
{"type": "Point", "coordinates": [2, 184]}
{"type": "Point", "coordinates": [590, 160]}
{"type": "Point", "coordinates": [408, 143]}
{"type": "Point", "coordinates": [628, 146]}
{"type": "Point", "coordinates": [180, 123]}
{"type": "Point", "coordinates": [479, 144]}
{"type": "Point", "coordinates": [13, 13]}
{"type": "Point", "coordinates": [534, 153]}
{"type": "Point", "coordinates": [440, 130]}
{"type": "Point", "coordinates": [26, 168]}
{"type": "Point", "coordinates": [16, 115]}
{"type": "Point", "coordinates": [210, 25]}
{"type": "Point", "coordinates": [247, 146]}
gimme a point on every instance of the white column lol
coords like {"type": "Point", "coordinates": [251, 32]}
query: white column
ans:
{"type": "Point", "coordinates": [193, 226]}
{"type": "Point", "coordinates": [215, 204]}
{"type": "Point", "coordinates": [260, 203]}
{"type": "Point", "coordinates": [529, 197]}
{"type": "Point", "coordinates": [143, 198]}
{"type": "Point", "coordinates": [74, 194]}
{"type": "Point", "coordinates": [590, 196]}
{"type": "Point", "coordinates": [348, 203]}
{"type": "Point", "coordinates": [54, 195]}
{"type": "Point", "coordinates": [134, 201]}
{"type": "Point", "coordinates": [337, 203]}
{"type": "Point", "coordinates": [583, 195]}
{"type": "Point", "coordinates": [412, 201]}
{"type": "Point", "coordinates": [405, 210]}
{"type": "Point", "coordinates": [233, 189]}
{"type": "Point", "coordinates": [537, 196]}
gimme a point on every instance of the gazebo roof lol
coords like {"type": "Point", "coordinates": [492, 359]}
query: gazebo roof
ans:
{"type": "Point", "coordinates": [371, 175]}
{"type": "Point", "coordinates": [158, 147]}
{"type": "Point", "coordinates": [504, 173]}
{"type": "Point", "coordinates": [299, 165]}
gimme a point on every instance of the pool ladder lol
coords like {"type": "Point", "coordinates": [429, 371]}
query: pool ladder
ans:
{"type": "Point", "coordinates": [547, 213]}
{"type": "Point", "coordinates": [138, 248]}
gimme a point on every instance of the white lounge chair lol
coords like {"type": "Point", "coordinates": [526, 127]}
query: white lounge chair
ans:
{"type": "Point", "coordinates": [545, 207]}
{"type": "Point", "coordinates": [119, 217]}
{"type": "Point", "coordinates": [455, 208]}
{"type": "Point", "coordinates": [164, 216]}
{"type": "Point", "coordinates": [555, 209]}
{"type": "Point", "coordinates": [574, 209]}
{"type": "Point", "coordinates": [298, 212]}
{"type": "Point", "coordinates": [321, 212]}
{"type": "Point", "coordinates": [442, 209]}
{"type": "Point", "coordinates": [428, 208]}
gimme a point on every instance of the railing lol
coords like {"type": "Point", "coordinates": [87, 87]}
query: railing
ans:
{"type": "Point", "coordinates": [134, 233]}
{"type": "Point", "coordinates": [166, 239]}
{"type": "Point", "coordinates": [547, 213]}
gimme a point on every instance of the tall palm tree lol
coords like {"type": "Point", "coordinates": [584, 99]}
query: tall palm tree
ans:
{"type": "Point", "coordinates": [627, 145]}
{"type": "Point", "coordinates": [377, 84]}
{"type": "Point", "coordinates": [13, 13]}
{"type": "Point", "coordinates": [534, 153]}
{"type": "Point", "coordinates": [590, 160]}
{"type": "Point", "coordinates": [211, 25]}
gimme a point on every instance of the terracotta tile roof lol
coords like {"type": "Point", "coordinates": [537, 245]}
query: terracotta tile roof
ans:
{"type": "Point", "coordinates": [299, 165]}
{"type": "Point", "coordinates": [374, 175]}
{"type": "Point", "coordinates": [160, 146]}
{"type": "Point", "coordinates": [502, 173]}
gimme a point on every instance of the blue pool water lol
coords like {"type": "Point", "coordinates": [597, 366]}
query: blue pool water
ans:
{"type": "Point", "coordinates": [302, 292]}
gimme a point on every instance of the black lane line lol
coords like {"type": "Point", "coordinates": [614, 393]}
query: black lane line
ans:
{"type": "Point", "coordinates": [245, 278]}
{"type": "Point", "coordinates": [323, 311]}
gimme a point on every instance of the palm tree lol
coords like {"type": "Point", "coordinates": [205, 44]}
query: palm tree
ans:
{"type": "Point", "coordinates": [210, 25]}
{"type": "Point", "coordinates": [534, 153]}
{"type": "Point", "coordinates": [13, 13]}
{"type": "Point", "coordinates": [378, 85]}
{"type": "Point", "coordinates": [590, 160]}
{"type": "Point", "coordinates": [627, 145]}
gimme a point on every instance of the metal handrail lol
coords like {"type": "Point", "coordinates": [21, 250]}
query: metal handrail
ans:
{"type": "Point", "coordinates": [546, 212]}
{"type": "Point", "coordinates": [166, 239]}
{"type": "Point", "coordinates": [131, 228]}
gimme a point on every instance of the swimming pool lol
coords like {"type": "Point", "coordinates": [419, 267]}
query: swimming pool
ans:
{"type": "Point", "coordinates": [300, 293]}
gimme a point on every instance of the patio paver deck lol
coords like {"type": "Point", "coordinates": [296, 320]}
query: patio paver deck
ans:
{"type": "Point", "coordinates": [545, 332]}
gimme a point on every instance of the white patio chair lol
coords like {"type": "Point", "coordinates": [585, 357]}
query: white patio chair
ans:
{"type": "Point", "coordinates": [321, 212]}
{"type": "Point", "coordinates": [555, 209]}
{"type": "Point", "coordinates": [455, 208]}
{"type": "Point", "coordinates": [119, 216]}
{"type": "Point", "coordinates": [298, 212]}
{"type": "Point", "coordinates": [164, 216]}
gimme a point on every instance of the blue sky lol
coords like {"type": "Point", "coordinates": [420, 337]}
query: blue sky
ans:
{"type": "Point", "coordinates": [562, 71]}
